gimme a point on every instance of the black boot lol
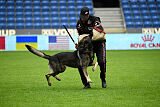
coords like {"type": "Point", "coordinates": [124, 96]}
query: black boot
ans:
{"type": "Point", "coordinates": [86, 86]}
{"type": "Point", "coordinates": [104, 85]}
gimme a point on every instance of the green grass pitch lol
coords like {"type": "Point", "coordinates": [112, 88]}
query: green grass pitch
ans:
{"type": "Point", "coordinates": [133, 79]}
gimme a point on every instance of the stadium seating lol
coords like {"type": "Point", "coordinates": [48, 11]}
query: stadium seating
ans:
{"type": "Point", "coordinates": [39, 14]}
{"type": "Point", "coordinates": [141, 13]}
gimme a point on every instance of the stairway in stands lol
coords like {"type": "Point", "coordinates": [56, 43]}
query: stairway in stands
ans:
{"type": "Point", "coordinates": [112, 19]}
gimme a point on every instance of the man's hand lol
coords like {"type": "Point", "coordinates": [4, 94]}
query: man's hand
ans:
{"type": "Point", "coordinates": [76, 46]}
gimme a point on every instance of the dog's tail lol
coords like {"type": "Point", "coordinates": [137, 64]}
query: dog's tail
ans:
{"type": "Point", "coordinates": [36, 52]}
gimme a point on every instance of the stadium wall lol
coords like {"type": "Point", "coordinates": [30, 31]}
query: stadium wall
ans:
{"type": "Point", "coordinates": [63, 42]}
{"type": "Point", "coordinates": [12, 40]}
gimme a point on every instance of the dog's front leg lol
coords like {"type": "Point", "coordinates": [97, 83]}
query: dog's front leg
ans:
{"type": "Point", "coordinates": [95, 66]}
{"type": "Point", "coordinates": [48, 80]}
{"type": "Point", "coordinates": [57, 78]}
{"type": "Point", "coordinates": [86, 75]}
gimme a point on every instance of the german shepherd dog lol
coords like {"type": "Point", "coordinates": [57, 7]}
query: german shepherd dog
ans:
{"type": "Point", "coordinates": [82, 57]}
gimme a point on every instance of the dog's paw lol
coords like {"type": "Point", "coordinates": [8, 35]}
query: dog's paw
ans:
{"type": "Point", "coordinates": [49, 84]}
{"type": "Point", "coordinates": [57, 78]}
{"type": "Point", "coordinates": [89, 81]}
{"type": "Point", "coordinates": [93, 69]}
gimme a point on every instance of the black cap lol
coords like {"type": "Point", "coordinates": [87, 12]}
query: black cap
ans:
{"type": "Point", "coordinates": [84, 12]}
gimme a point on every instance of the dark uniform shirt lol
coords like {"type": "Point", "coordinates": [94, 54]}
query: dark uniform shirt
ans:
{"type": "Point", "coordinates": [87, 27]}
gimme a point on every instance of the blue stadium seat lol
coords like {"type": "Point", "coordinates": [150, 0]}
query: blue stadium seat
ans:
{"type": "Point", "coordinates": [10, 3]}
{"type": "Point", "coordinates": [127, 12]}
{"type": "Point", "coordinates": [135, 6]}
{"type": "Point", "coordinates": [19, 8]}
{"type": "Point", "coordinates": [45, 14]}
{"type": "Point", "coordinates": [54, 13]}
{"type": "Point", "coordinates": [3, 14]}
{"type": "Point", "coordinates": [46, 25]}
{"type": "Point", "coordinates": [158, 1]}
{"type": "Point", "coordinates": [133, 1]}
{"type": "Point", "coordinates": [46, 19]}
{"type": "Point", "coordinates": [156, 24]}
{"type": "Point", "coordinates": [36, 8]}
{"type": "Point", "coordinates": [55, 25]}
{"type": "Point", "coordinates": [28, 14]}
{"type": "Point", "coordinates": [137, 17]}
{"type": "Point", "coordinates": [152, 6]}
{"type": "Point", "coordinates": [20, 19]}
{"type": "Point", "coordinates": [54, 8]}
{"type": "Point", "coordinates": [37, 19]}
{"type": "Point", "coordinates": [150, 1]}
{"type": "Point", "coordinates": [79, 8]}
{"type": "Point", "coordinates": [71, 3]}
{"type": "Point", "coordinates": [19, 3]}
{"type": "Point", "coordinates": [45, 8]}
{"type": "Point", "coordinates": [2, 19]}
{"type": "Point", "coordinates": [79, 3]}
{"type": "Point", "coordinates": [45, 2]}
{"type": "Point", "coordinates": [29, 25]}
{"type": "Point", "coordinates": [27, 3]}
{"type": "Point", "coordinates": [64, 19]}
{"type": "Point", "coordinates": [10, 19]}
{"type": "Point", "coordinates": [62, 3]}
{"type": "Point", "coordinates": [129, 24]}
{"type": "Point", "coordinates": [144, 12]}
{"type": "Point", "coordinates": [36, 3]}
{"type": "Point", "coordinates": [153, 12]}
{"type": "Point", "coordinates": [73, 25]}
{"type": "Point", "coordinates": [28, 19]}
{"type": "Point", "coordinates": [10, 14]}
{"type": "Point", "coordinates": [128, 17]}
{"type": "Point", "coordinates": [159, 12]}
{"type": "Point", "coordinates": [90, 8]}
{"type": "Point", "coordinates": [28, 8]}
{"type": "Point", "coordinates": [2, 3]}
{"type": "Point", "coordinates": [63, 8]}
{"type": "Point", "coordinates": [72, 13]}
{"type": "Point", "coordinates": [19, 14]}
{"type": "Point", "coordinates": [64, 23]}
{"type": "Point", "coordinates": [138, 24]}
{"type": "Point", "coordinates": [63, 13]}
{"type": "Point", "coordinates": [19, 25]}
{"type": "Point", "coordinates": [72, 19]}
{"type": "Point", "coordinates": [143, 6]}
{"type": "Point", "coordinates": [124, 2]}
{"type": "Point", "coordinates": [158, 6]}
{"type": "Point", "coordinates": [10, 25]}
{"type": "Point", "coordinates": [147, 24]}
{"type": "Point", "coordinates": [88, 3]}
{"type": "Point", "coordinates": [146, 18]}
{"type": "Point", "coordinates": [2, 25]}
{"type": "Point", "coordinates": [155, 17]}
{"type": "Point", "coordinates": [37, 14]}
{"type": "Point", "coordinates": [70, 8]}
{"type": "Point", "coordinates": [10, 8]}
{"type": "Point", "coordinates": [54, 3]}
{"type": "Point", "coordinates": [55, 19]}
{"type": "Point", "coordinates": [142, 1]}
{"type": "Point", "coordinates": [38, 25]}
{"type": "Point", "coordinates": [126, 7]}
{"type": "Point", "coordinates": [91, 12]}
{"type": "Point", "coordinates": [136, 12]}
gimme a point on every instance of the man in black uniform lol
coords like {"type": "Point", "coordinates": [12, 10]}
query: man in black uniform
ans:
{"type": "Point", "coordinates": [85, 25]}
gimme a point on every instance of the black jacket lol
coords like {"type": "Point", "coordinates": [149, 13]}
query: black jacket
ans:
{"type": "Point", "coordinates": [87, 27]}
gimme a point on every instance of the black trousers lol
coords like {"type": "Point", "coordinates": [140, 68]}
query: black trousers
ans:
{"type": "Point", "coordinates": [99, 47]}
